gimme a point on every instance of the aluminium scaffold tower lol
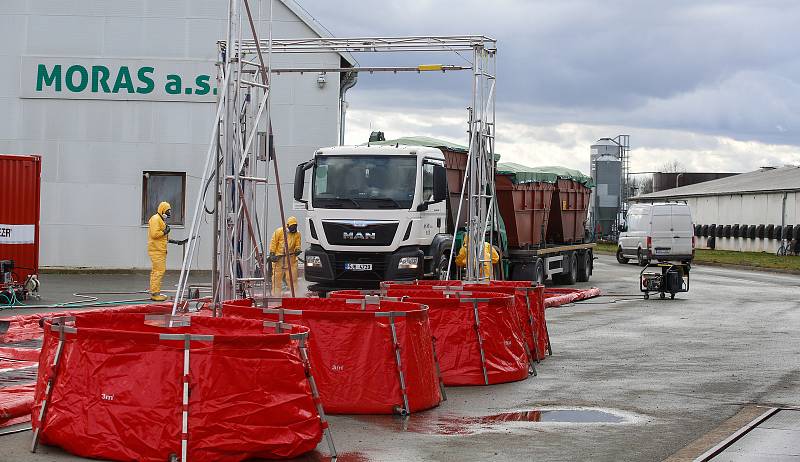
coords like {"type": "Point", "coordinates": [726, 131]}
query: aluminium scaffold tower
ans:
{"type": "Point", "coordinates": [239, 162]}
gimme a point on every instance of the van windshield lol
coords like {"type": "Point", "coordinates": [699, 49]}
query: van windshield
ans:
{"type": "Point", "coordinates": [364, 182]}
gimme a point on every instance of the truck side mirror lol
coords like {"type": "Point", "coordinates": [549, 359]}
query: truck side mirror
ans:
{"type": "Point", "coordinates": [299, 181]}
{"type": "Point", "coordinates": [440, 190]}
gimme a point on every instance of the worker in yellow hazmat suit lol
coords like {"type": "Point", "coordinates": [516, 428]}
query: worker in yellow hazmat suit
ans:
{"type": "Point", "coordinates": [157, 239]}
{"type": "Point", "coordinates": [280, 261]}
{"type": "Point", "coordinates": [486, 267]}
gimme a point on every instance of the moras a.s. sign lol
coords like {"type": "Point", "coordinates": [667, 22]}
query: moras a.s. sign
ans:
{"type": "Point", "coordinates": [118, 79]}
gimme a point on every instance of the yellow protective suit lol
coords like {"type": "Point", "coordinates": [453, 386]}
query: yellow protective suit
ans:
{"type": "Point", "coordinates": [486, 269]}
{"type": "Point", "coordinates": [280, 267]}
{"type": "Point", "coordinates": [157, 248]}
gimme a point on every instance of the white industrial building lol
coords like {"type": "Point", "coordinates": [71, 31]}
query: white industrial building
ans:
{"type": "Point", "coordinates": [118, 98]}
{"type": "Point", "coordinates": [765, 199]}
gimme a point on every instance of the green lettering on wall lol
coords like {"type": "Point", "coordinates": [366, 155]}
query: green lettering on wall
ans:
{"type": "Point", "coordinates": [148, 82]}
{"type": "Point", "coordinates": [69, 78]}
{"type": "Point", "coordinates": [173, 86]}
{"type": "Point", "coordinates": [100, 79]}
{"type": "Point", "coordinates": [123, 80]}
{"type": "Point", "coordinates": [202, 85]}
{"type": "Point", "coordinates": [43, 79]}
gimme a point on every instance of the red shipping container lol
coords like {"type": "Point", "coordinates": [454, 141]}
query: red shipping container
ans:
{"type": "Point", "coordinates": [20, 186]}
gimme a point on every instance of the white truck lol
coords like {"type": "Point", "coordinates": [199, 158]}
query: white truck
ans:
{"type": "Point", "coordinates": [374, 213]}
{"type": "Point", "coordinates": [382, 212]}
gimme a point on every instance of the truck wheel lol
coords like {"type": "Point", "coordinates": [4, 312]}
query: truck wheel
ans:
{"type": "Point", "coordinates": [523, 272]}
{"type": "Point", "coordinates": [621, 259]}
{"type": "Point", "coordinates": [572, 272]}
{"type": "Point", "coordinates": [441, 268]}
{"type": "Point", "coordinates": [584, 266]}
{"type": "Point", "coordinates": [640, 259]}
{"type": "Point", "coordinates": [538, 272]}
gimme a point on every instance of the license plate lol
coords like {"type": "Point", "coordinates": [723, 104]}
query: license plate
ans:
{"type": "Point", "coordinates": [358, 266]}
{"type": "Point", "coordinates": [662, 251]}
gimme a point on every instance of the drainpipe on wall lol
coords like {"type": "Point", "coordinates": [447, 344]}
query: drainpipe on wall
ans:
{"type": "Point", "coordinates": [783, 210]}
{"type": "Point", "coordinates": [348, 82]}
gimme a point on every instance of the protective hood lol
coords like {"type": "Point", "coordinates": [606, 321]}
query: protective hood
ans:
{"type": "Point", "coordinates": [163, 207]}
{"type": "Point", "coordinates": [291, 221]}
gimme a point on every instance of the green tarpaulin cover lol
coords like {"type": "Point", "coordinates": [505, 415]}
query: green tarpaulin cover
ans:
{"type": "Point", "coordinates": [548, 174]}
{"type": "Point", "coordinates": [422, 141]}
{"type": "Point", "coordinates": [427, 142]}
{"type": "Point", "coordinates": [522, 174]}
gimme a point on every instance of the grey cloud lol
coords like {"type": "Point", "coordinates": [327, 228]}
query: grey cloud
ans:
{"type": "Point", "coordinates": [713, 67]}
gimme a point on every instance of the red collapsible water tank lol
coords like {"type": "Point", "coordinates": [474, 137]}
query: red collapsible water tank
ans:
{"type": "Point", "coordinates": [529, 304]}
{"type": "Point", "coordinates": [477, 338]}
{"type": "Point", "coordinates": [151, 388]}
{"type": "Point", "coordinates": [20, 186]}
{"type": "Point", "coordinates": [367, 358]}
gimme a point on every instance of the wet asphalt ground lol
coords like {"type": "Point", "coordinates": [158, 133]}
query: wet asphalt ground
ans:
{"type": "Point", "coordinates": [629, 379]}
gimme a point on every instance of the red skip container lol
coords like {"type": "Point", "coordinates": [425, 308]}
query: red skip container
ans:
{"type": "Point", "coordinates": [20, 186]}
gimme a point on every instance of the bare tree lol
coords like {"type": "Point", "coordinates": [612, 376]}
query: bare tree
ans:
{"type": "Point", "coordinates": [641, 184]}
{"type": "Point", "coordinates": [673, 166]}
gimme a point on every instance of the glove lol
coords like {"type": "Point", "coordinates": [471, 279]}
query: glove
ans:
{"type": "Point", "coordinates": [297, 253]}
{"type": "Point", "coordinates": [272, 258]}
{"type": "Point", "coordinates": [166, 229]}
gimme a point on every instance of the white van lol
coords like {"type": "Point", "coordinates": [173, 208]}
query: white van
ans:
{"type": "Point", "coordinates": [661, 231]}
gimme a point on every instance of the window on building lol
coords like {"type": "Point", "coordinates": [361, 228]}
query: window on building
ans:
{"type": "Point", "coordinates": [164, 186]}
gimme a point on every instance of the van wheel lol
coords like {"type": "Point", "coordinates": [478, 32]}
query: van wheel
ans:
{"type": "Point", "coordinates": [584, 266]}
{"type": "Point", "coordinates": [621, 259]}
{"type": "Point", "coordinates": [640, 258]}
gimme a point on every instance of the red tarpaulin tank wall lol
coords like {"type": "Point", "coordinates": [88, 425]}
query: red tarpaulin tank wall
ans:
{"type": "Point", "coordinates": [529, 304]}
{"type": "Point", "coordinates": [489, 354]}
{"type": "Point", "coordinates": [118, 389]}
{"type": "Point", "coordinates": [527, 297]}
{"type": "Point", "coordinates": [568, 212]}
{"type": "Point", "coordinates": [20, 186]}
{"type": "Point", "coordinates": [525, 208]}
{"type": "Point", "coordinates": [354, 357]}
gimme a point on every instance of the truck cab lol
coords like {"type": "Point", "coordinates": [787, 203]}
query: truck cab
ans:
{"type": "Point", "coordinates": [373, 213]}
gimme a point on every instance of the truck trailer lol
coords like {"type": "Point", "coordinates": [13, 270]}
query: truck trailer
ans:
{"type": "Point", "coordinates": [389, 211]}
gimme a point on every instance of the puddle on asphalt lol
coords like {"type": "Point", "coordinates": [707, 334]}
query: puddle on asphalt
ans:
{"type": "Point", "coordinates": [316, 456]}
{"type": "Point", "coordinates": [467, 425]}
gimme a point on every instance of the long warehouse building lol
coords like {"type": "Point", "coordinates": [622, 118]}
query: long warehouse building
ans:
{"type": "Point", "coordinates": [747, 212]}
{"type": "Point", "coordinates": [119, 97]}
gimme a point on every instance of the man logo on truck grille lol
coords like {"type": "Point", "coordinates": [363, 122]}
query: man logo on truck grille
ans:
{"type": "Point", "coordinates": [359, 236]}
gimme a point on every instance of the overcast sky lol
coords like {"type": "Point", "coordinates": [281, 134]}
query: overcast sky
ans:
{"type": "Point", "coordinates": [713, 84]}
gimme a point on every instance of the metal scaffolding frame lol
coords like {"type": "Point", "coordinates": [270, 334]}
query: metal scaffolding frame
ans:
{"type": "Point", "coordinates": [624, 143]}
{"type": "Point", "coordinates": [240, 171]}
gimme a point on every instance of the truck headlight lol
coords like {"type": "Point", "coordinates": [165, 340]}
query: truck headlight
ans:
{"type": "Point", "coordinates": [313, 261]}
{"type": "Point", "coordinates": [408, 263]}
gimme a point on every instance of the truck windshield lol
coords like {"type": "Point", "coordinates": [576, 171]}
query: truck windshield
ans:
{"type": "Point", "coordinates": [365, 182]}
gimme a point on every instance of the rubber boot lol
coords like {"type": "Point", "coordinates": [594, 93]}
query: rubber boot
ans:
{"type": "Point", "coordinates": [158, 297]}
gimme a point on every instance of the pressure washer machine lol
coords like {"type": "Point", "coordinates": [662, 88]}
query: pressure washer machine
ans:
{"type": "Point", "coordinates": [664, 278]}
